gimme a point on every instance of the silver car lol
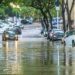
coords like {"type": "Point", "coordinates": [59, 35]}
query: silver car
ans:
{"type": "Point", "coordinates": [9, 35]}
{"type": "Point", "coordinates": [69, 38]}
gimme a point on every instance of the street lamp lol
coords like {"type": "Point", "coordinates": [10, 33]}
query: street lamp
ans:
{"type": "Point", "coordinates": [57, 9]}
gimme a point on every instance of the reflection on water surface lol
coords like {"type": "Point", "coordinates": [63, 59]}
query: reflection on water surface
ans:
{"type": "Point", "coordinates": [33, 58]}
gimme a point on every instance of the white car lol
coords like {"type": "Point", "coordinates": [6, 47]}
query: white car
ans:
{"type": "Point", "coordinates": [69, 38]}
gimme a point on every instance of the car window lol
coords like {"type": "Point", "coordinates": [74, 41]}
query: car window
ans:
{"type": "Point", "coordinates": [10, 32]}
{"type": "Point", "coordinates": [72, 32]}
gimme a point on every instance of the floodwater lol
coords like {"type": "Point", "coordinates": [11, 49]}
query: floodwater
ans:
{"type": "Point", "coordinates": [36, 58]}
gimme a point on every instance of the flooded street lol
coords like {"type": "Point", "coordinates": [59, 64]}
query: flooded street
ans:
{"type": "Point", "coordinates": [33, 58]}
{"type": "Point", "coordinates": [36, 56]}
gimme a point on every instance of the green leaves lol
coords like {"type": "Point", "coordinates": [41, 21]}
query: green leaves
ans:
{"type": "Point", "coordinates": [26, 5]}
{"type": "Point", "coordinates": [28, 11]}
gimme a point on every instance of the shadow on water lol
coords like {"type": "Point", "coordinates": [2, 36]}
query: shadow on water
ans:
{"type": "Point", "coordinates": [33, 58]}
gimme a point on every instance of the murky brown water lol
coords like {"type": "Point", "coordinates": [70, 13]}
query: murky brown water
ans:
{"type": "Point", "coordinates": [36, 58]}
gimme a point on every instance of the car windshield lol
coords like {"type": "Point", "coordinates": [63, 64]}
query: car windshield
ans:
{"type": "Point", "coordinates": [72, 32]}
{"type": "Point", "coordinates": [11, 32]}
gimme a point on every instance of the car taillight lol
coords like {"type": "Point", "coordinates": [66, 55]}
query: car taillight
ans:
{"type": "Point", "coordinates": [54, 36]}
{"type": "Point", "coordinates": [51, 34]}
{"type": "Point", "coordinates": [6, 35]}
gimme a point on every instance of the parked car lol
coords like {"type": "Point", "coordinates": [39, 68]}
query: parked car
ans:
{"type": "Point", "coordinates": [17, 29]}
{"type": "Point", "coordinates": [55, 34]}
{"type": "Point", "coordinates": [69, 38]}
{"type": "Point", "coordinates": [20, 26]}
{"type": "Point", "coordinates": [24, 21]}
{"type": "Point", "coordinates": [9, 35]}
{"type": "Point", "coordinates": [27, 20]}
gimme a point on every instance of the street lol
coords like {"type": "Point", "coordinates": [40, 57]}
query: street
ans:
{"type": "Point", "coordinates": [33, 54]}
{"type": "Point", "coordinates": [37, 37]}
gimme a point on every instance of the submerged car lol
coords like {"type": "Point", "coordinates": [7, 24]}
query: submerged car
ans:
{"type": "Point", "coordinates": [9, 35]}
{"type": "Point", "coordinates": [69, 38]}
{"type": "Point", "coordinates": [27, 20]}
{"type": "Point", "coordinates": [17, 30]}
{"type": "Point", "coordinates": [55, 34]}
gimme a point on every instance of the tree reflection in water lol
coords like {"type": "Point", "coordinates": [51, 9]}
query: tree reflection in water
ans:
{"type": "Point", "coordinates": [33, 58]}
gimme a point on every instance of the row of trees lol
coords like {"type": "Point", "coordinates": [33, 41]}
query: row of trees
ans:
{"type": "Point", "coordinates": [43, 6]}
{"type": "Point", "coordinates": [47, 7]}
{"type": "Point", "coordinates": [46, 10]}
{"type": "Point", "coordinates": [22, 11]}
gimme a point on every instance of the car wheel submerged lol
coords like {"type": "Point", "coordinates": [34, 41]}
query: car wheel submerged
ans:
{"type": "Point", "coordinates": [73, 43]}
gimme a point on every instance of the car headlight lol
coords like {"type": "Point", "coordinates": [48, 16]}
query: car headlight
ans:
{"type": "Point", "coordinates": [51, 34]}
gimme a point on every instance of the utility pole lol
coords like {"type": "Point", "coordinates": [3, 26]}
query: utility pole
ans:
{"type": "Point", "coordinates": [57, 9]}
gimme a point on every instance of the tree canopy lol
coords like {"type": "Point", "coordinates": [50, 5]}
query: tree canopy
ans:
{"type": "Point", "coordinates": [46, 8]}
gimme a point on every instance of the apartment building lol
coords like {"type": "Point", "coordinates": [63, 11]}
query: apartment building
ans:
{"type": "Point", "coordinates": [70, 3]}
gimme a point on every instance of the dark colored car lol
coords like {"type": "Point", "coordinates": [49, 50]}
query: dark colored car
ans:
{"type": "Point", "coordinates": [55, 34]}
{"type": "Point", "coordinates": [9, 35]}
{"type": "Point", "coordinates": [27, 20]}
{"type": "Point", "coordinates": [17, 29]}
{"type": "Point", "coordinates": [24, 21]}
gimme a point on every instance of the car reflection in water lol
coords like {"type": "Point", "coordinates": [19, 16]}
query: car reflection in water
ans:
{"type": "Point", "coordinates": [11, 57]}
{"type": "Point", "coordinates": [33, 58]}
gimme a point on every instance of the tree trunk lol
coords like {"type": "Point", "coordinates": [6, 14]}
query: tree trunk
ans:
{"type": "Point", "coordinates": [65, 6]}
{"type": "Point", "coordinates": [63, 16]}
{"type": "Point", "coordinates": [1, 1]}
{"type": "Point", "coordinates": [50, 16]}
{"type": "Point", "coordinates": [69, 16]}
{"type": "Point", "coordinates": [45, 19]}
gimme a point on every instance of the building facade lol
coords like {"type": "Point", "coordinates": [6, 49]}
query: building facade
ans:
{"type": "Point", "coordinates": [70, 4]}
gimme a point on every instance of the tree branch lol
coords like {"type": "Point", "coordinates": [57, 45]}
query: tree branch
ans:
{"type": "Point", "coordinates": [72, 6]}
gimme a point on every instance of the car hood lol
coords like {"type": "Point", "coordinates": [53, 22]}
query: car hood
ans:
{"type": "Point", "coordinates": [68, 40]}
{"type": "Point", "coordinates": [71, 37]}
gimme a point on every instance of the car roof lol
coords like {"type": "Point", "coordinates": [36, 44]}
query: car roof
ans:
{"type": "Point", "coordinates": [58, 30]}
